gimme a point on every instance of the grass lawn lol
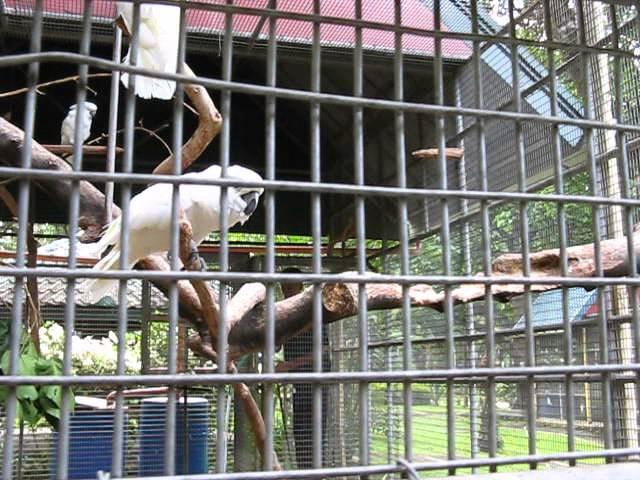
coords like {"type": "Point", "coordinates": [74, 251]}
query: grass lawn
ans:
{"type": "Point", "coordinates": [430, 439]}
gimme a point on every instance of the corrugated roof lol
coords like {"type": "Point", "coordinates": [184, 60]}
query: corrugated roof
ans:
{"type": "Point", "coordinates": [53, 292]}
{"type": "Point", "coordinates": [547, 307]}
{"type": "Point", "coordinates": [414, 14]}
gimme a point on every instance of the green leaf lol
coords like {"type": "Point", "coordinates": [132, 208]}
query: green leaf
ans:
{"type": "Point", "coordinates": [28, 412]}
{"type": "Point", "coordinates": [27, 392]}
{"type": "Point", "coordinates": [4, 362]}
{"type": "Point", "coordinates": [53, 393]}
{"type": "Point", "coordinates": [45, 366]}
{"type": "Point", "coordinates": [27, 364]}
{"type": "Point", "coordinates": [48, 406]}
{"type": "Point", "coordinates": [4, 393]}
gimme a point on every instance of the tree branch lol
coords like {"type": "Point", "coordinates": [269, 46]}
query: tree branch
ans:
{"type": "Point", "coordinates": [73, 78]}
{"type": "Point", "coordinates": [206, 295]}
{"type": "Point", "coordinates": [92, 215]}
{"type": "Point", "coordinates": [243, 393]}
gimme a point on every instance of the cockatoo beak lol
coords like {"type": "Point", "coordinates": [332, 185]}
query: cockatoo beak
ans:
{"type": "Point", "coordinates": [251, 199]}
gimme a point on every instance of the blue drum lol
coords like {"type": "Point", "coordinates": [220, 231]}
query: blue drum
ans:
{"type": "Point", "coordinates": [192, 429]}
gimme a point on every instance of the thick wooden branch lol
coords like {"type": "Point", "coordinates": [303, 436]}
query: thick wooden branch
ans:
{"type": "Point", "coordinates": [340, 300]}
{"type": "Point", "coordinates": [434, 153]}
{"type": "Point", "coordinates": [92, 215]}
{"type": "Point", "coordinates": [206, 295]}
{"type": "Point", "coordinates": [245, 299]}
{"type": "Point", "coordinates": [243, 394]}
{"type": "Point", "coordinates": [209, 125]}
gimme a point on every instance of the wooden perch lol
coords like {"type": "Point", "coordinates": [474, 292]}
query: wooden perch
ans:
{"type": "Point", "coordinates": [206, 295]}
{"type": "Point", "coordinates": [243, 393]}
{"type": "Point", "coordinates": [93, 150]}
{"type": "Point", "coordinates": [434, 153]}
{"type": "Point", "coordinates": [340, 300]}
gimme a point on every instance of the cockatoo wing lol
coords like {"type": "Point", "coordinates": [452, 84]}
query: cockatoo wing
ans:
{"type": "Point", "coordinates": [150, 221]}
{"type": "Point", "coordinates": [68, 128]}
{"type": "Point", "coordinates": [158, 48]}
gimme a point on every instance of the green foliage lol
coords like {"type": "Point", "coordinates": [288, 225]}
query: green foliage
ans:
{"type": "Point", "coordinates": [91, 356]}
{"type": "Point", "coordinates": [543, 218]}
{"type": "Point", "coordinates": [37, 404]}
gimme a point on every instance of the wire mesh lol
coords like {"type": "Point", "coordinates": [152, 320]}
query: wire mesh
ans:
{"type": "Point", "coordinates": [329, 101]}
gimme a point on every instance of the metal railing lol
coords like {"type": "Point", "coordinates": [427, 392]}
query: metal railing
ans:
{"type": "Point", "coordinates": [442, 115]}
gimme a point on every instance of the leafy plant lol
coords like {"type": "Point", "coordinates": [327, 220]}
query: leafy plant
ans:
{"type": "Point", "coordinates": [36, 403]}
{"type": "Point", "coordinates": [90, 355]}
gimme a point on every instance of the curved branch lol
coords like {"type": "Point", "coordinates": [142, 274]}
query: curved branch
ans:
{"type": "Point", "coordinates": [51, 83]}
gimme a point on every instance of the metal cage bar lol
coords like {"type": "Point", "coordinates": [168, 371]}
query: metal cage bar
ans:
{"type": "Point", "coordinates": [458, 349]}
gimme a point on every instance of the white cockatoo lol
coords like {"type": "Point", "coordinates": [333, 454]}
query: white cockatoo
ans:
{"type": "Point", "coordinates": [150, 220]}
{"type": "Point", "coordinates": [159, 34]}
{"type": "Point", "coordinates": [67, 132]}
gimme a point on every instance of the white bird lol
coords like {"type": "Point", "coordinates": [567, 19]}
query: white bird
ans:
{"type": "Point", "coordinates": [67, 132]}
{"type": "Point", "coordinates": [158, 35]}
{"type": "Point", "coordinates": [150, 220]}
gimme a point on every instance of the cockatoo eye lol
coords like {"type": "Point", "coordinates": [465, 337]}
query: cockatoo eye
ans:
{"type": "Point", "coordinates": [251, 199]}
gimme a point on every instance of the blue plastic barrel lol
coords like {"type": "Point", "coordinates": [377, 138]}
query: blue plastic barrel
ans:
{"type": "Point", "coordinates": [90, 443]}
{"type": "Point", "coordinates": [191, 435]}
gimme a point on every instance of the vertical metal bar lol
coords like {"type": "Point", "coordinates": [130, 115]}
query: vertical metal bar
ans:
{"type": "Point", "coordinates": [490, 342]}
{"type": "Point", "coordinates": [174, 253]}
{"type": "Point", "coordinates": [524, 233]}
{"type": "Point", "coordinates": [24, 192]}
{"type": "Point", "coordinates": [316, 233]}
{"type": "Point", "coordinates": [607, 407]}
{"type": "Point", "coordinates": [403, 233]}
{"type": "Point", "coordinates": [469, 308]}
{"type": "Point", "coordinates": [117, 462]}
{"type": "Point", "coordinates": [270, 205]}
{"type": "Point", "coordinates": [626, 192]}
{"type": "Point", "coordinates": [113, 122]}
{"type": "Point", "coordinates": [445, 235]}
{"type": "Point", "coordinates": [562, 231]}
{"type": "Point", "coordinates": [358, 160]}
{"type": "Point", "coordinates": [74, 213]}
{"type": "Point", "coordinates": [225, 147]}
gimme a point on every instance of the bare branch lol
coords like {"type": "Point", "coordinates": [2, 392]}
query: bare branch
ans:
{"type": "Point", "coordinates": [40, 86]}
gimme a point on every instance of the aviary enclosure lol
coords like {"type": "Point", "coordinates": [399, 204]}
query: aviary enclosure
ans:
{"type": "Point", "coordinates": [439, 276]}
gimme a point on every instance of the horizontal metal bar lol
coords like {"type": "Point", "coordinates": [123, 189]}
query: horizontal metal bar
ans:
{"type": "Point", "coordinates": [313, 377]}
{"type": "Point", "coordinates": [619, 471]}
{"type": "Point", "coordinates": [303, 95]}
{"type": "Point", "coordinates": [349, 277]}
{"type": "Point", "coordinates": [311, 187]}
{"type": "Point", "coordinates": [394, 27]}
{"type": "Point", "coordinates": [395, 468]}
{"type": "Point", "coordinates": [621, 378]}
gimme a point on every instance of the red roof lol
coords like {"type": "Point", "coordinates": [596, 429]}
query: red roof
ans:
{"type": "Point", "coordinates": [415, 14]}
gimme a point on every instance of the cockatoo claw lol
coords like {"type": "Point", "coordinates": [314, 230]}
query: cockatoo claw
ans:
{"type": "Point", "coordinates": [194, 257]}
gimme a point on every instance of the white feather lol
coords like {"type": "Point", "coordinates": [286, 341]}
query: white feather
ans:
{"type": "Point", "coordinates": [159, 32]}
{"type": "Point", "coordinates": [68, 129]}
{"type": "Point", "coordinates": [150, 221]}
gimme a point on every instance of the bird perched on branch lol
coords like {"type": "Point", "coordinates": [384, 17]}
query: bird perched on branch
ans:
{"type": "Point", "coordinates": [150, 220]}
{"type": "Point", "coordinates": [67, 132]}
{"type": "Point", "coordinates": [158, 36]}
